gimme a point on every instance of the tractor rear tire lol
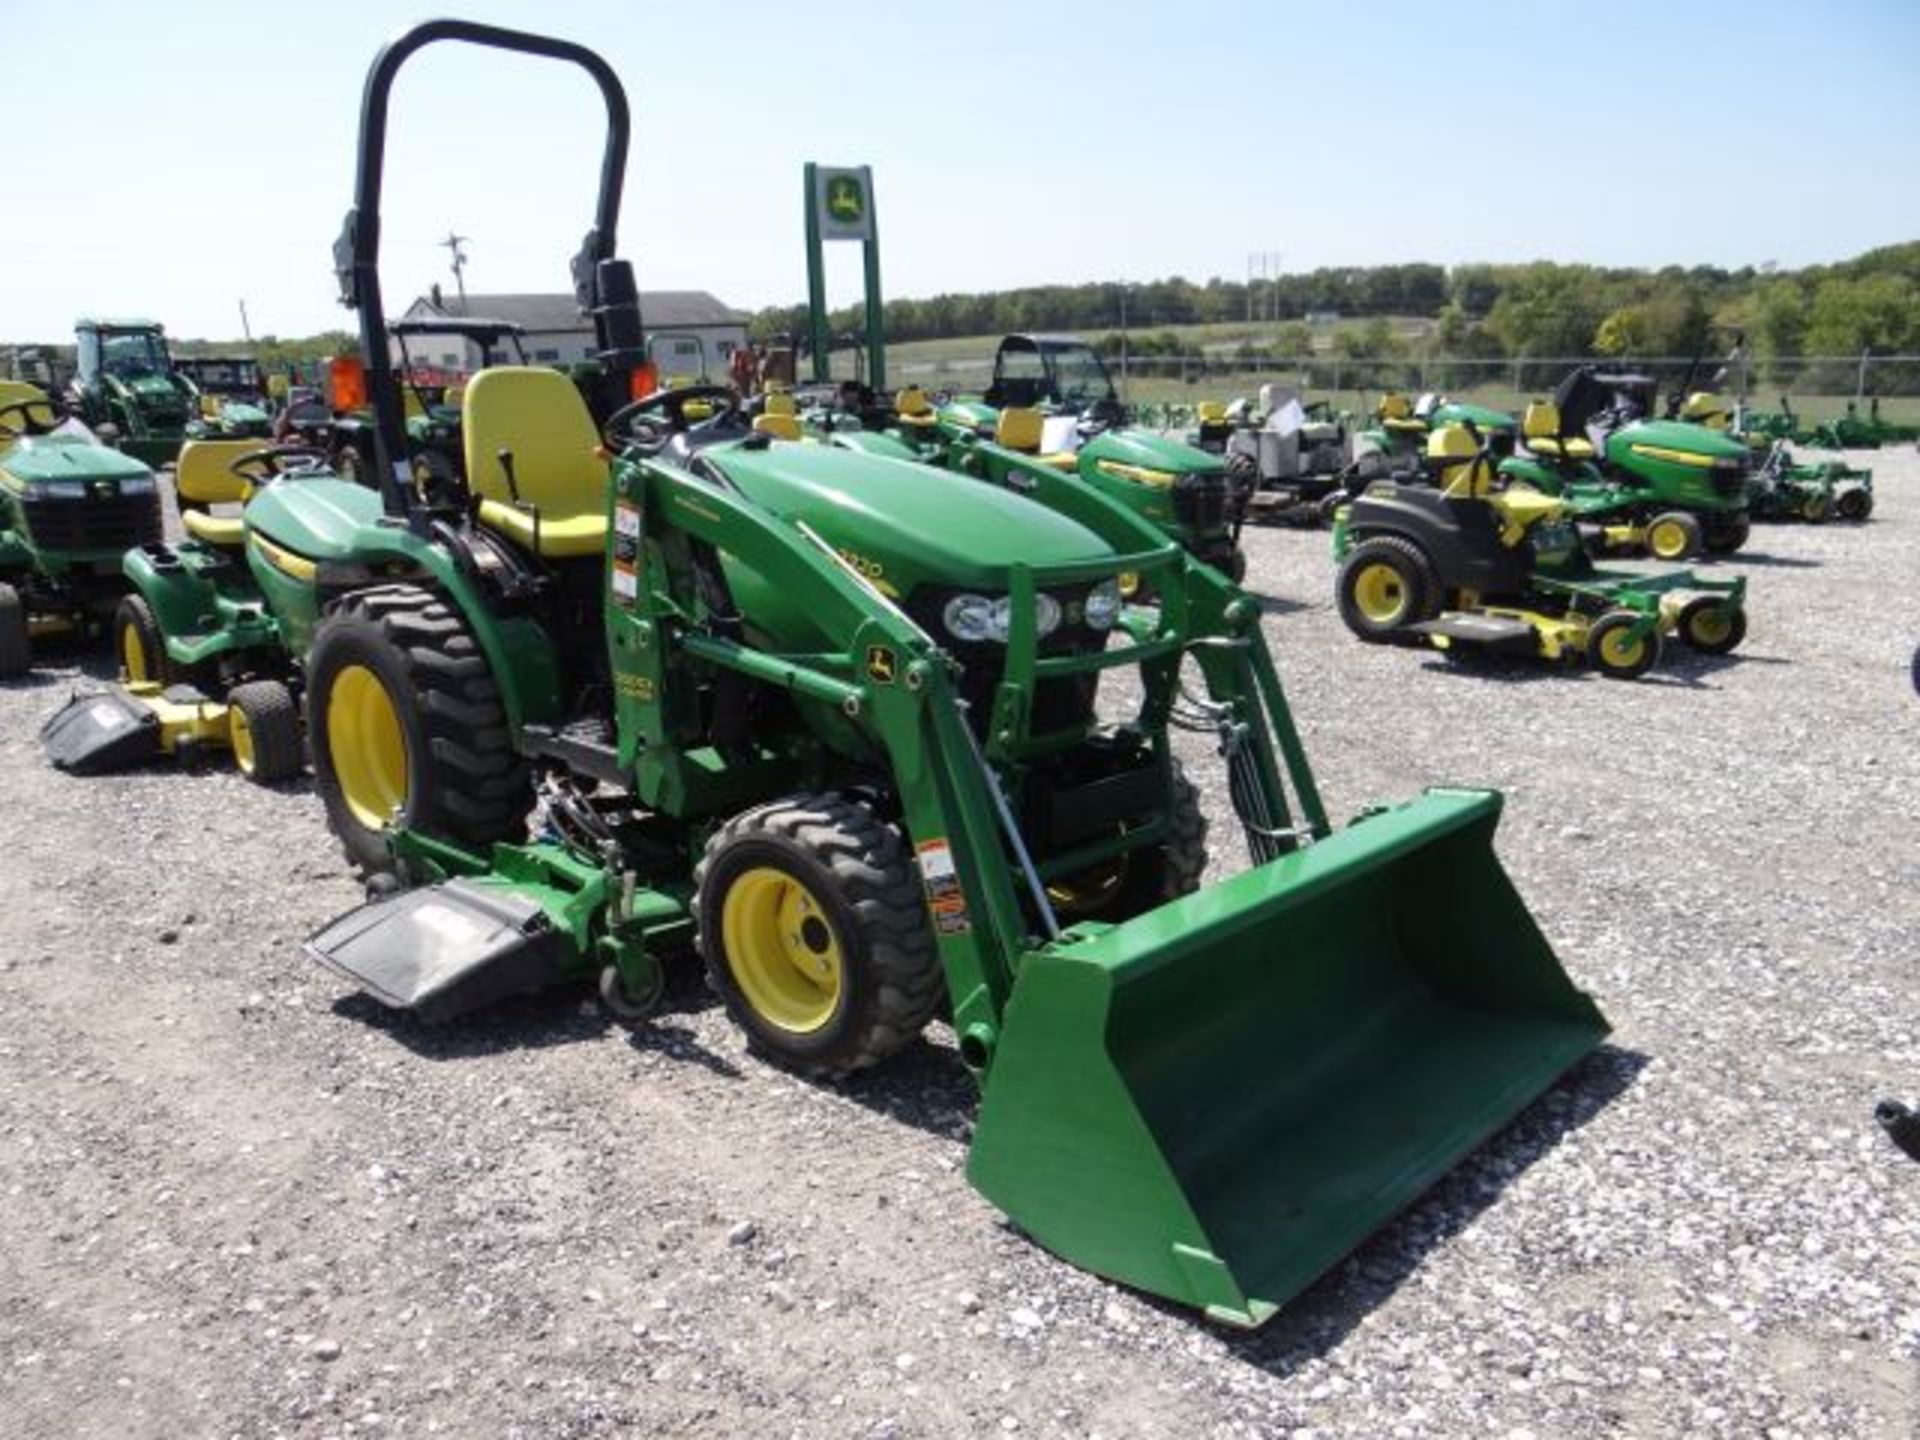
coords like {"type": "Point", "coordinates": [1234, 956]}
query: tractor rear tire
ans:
{"type": "Point", "coordinates": [1616, 657]}
{"type": "Point", "coordinates": [1726, 534]}
{"type": "Point", "coordinates": [1711, 626]}
{"type": "Point", "coordinates": [138, 644]}
{"type": "Point", "coordinates": [16, 643]}
{"type": "Point", "coordinates": [263, 726]}
{"type": "Point", "coordinates": [397, 681]}
{"type": "Point", "coordinates": [1386, 584]}
{"type": "Point", "coordinates": [1673, 536]}
{"type": "Point", "coordinates": [811, 917]}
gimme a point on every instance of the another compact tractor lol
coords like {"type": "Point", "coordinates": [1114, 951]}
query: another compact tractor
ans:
{"type": "Point", "coordinates": [1468, 567]}
{"type": "Point", "coordinates": [1670, 487]}
{"type": "Point", "coordinates": [126, 388]}
{"type": "Point", "coordinates": [827, 720]}
{"type": "Point", "coordinates": [70, 507]}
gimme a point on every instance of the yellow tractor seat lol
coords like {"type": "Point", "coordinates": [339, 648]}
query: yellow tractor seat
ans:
{"type": "Point", "coordinates": [1463, 474]}
{"type": "Point", "coordinates": [779, 402]}
{"type": "Point", "coordinates": [781, 427]}
{"type": "Point", "coordinates": [537, 416]}
{"type": "Point", "coordinates": [203, 475]}
{"type": "Point", "coordinates": [914, 408]}
{"type": "Point", "coordinates": [19, 392]}
{"type": "Point", "coordinates": [1520, 508]}
{"type": "Point", "coordinates": [1211, 412]}
{"type": "Point", "coordinates": [1562, 449]}
{"type": "Point", "coordinates": [1540, 432]}
{"type": "Point", "coordinates": [1020, 429]}
{"type": "Point", "coordinates": [227, 532]}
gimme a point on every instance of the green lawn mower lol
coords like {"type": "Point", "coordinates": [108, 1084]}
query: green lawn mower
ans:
{"type": "Point", "coordinates": [1401, 426]}
{"type": "Point", "coordinates": [69, 509]}
{"type": "Point", "coordinates": [1812, 492]}
{"type": "Point", "coordinates": [1468, 567]}
{"type": "Point", "coordinates": [864, 810]}
{"type": "Point", "coordinates": [126, 388]}
{"type": "Point", "coordinates": [1669, 487]}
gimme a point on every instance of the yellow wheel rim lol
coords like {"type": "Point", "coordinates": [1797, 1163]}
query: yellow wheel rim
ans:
{"type": "Point", "coordinates": [240, 737]}
{"type": "Point", "coordinates": [1710, 626]}
{"type": "Point", "coordinates": [1380, 594]}
{"type": "Point", "coordinates": [368, 747]}
{"type": "Point", "coordinates": [1620, 650]}
{"type": "Point", "coordinates": [1667, 540]}
{"type": "Point", "coordinates": [782, 949]}
{"type": "Point", "coordinates": [133, 654]}
{"type": "Point", "coordinates": [1087, 890]}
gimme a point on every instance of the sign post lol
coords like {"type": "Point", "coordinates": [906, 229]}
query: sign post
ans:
{"type": "Point", "coordinates": [840, 207]}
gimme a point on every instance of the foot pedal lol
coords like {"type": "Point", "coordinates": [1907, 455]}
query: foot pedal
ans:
{"type": "Point", "coordinates": [101, 732]}
{"type": "Point", "coordinates": [1493, 632]}
{"type": "Point", "coordinates": [442, 950]}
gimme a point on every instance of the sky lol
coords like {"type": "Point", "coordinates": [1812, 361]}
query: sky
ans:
{"type": "Point", "coordinates": [184, 158]}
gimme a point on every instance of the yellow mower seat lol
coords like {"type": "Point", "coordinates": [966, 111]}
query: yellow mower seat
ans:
{"type": "Point", "coordinates": [203, 476]}
{"type": "Point", "coordinates": [1211, 412]}
{"type": "Point", "coordinates": [914, 408]}
{"type": "Point", "coordinates": [779, 402]}
{"type": "Point", "coordinates": [1397, 414]}
{"type": "Point", "coordinates": [1540, 430]}
{"type": "Point", "coordinates": [537, 416]}
{"type": "Point", "coordinates": [19, 392]}
{"type": "Point", "coordinates": [781, 427]}
{"type": "Point", "coordinates": [228, 531]}
{"type": "Point", "coordinates": [1020, 429]}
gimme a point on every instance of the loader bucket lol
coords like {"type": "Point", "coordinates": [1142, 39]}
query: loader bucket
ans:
{"type": "Point", "coordinates": [1217, 1100]}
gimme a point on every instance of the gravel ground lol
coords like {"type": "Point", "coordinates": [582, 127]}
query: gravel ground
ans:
{"type": "Point", "coordinates": [240, 1200]}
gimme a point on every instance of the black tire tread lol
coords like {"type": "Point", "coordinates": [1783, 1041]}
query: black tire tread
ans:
{"type": "Point", "coordinates": [274, 718]}
{"type": "Point", "coordinates": [1415, 566]}
{"type": "Point", "coordinates": [16, 643]}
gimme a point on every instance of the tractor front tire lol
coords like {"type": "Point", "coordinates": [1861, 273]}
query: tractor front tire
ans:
{"type": "Point", "coordinates": [1726, 534]}
{"type": "Point", "coordinates": [1674, 536]}
{"type": "Point", "coordinates": [1386, 584]}
{"type": "Point", "coordinates": [407, 727]}
{"type": "Point", "coordinates": [810, 916]}
{"type": "Point", "coordinates": [1616, 655]}
{"type": "Point", "coordinates": [1854, 505]}
{"type": "Point", "coordinates": [1711, 626]}
{"type": "Point", "coordinates": [263, 727]}
{"type": "Point", "coordinates": [1817, 507]}
{"type": "Point", "coordinates": [1140, 880]}
{"type": "Point", "coordinates": [16, 643]}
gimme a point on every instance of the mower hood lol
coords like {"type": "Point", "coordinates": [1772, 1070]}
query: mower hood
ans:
{"type": "Point", "coordinates": [66, 455]}
{"type": "Point", "coordinates": [907, 523]}
{"type": "Point", "coordinates": [1144, 449]}
{"type": "Point", "coordinates": [1681, 435]}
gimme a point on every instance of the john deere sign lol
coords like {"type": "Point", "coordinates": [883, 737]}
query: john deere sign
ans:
{"type": "Point", "coordinates": [843, 202]}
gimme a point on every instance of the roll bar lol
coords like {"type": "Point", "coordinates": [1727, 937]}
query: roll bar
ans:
{"type": "Point", "coordinates": [602, 285]}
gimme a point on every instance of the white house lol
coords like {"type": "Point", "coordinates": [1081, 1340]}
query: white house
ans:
{"type": "Point", "coordinates": [679, 324]}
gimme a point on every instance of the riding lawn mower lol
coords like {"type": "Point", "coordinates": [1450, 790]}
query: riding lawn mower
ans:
{"type": "Point", "coordinates": [866, 807]}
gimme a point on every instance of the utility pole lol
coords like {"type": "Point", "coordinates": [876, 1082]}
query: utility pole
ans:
{"type": "Point", "coordinates": [1249, 287]}
{"type": "Point", "coordinates": [453, 243]}
{"type": "Point", "coordinates": [245, 328]}
{"type": "Point", "coordinates": [1126, 389]}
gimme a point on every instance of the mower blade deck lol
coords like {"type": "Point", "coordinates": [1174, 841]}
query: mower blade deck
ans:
{"type": "Point", "coordinates": [101, 732]}
{"type": "Point", "coordinates": [442, 950]}
{"type": "Point", "coordinates": [1219, 1099]}
{"type": "Point", "coordinates": [1495, 632]}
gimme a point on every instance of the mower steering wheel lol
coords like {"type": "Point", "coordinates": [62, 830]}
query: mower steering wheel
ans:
{"type": "Point", "coordinates": [258, 467]}
{"type": "Point", "coordinates": [26, 409]}
{"type": "Point", "coordinates": [653, 418]}
{"type": "Point", "coordinates": [1100, 417]}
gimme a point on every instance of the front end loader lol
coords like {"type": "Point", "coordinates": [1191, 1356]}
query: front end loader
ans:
{"type": "Point", "coordinates": [828, 721]}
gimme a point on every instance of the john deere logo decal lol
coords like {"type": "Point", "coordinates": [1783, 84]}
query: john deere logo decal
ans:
{"type": "Point", "coordinates": [845, 200]}
{"type": "Point", "coordinates": [880, 664]}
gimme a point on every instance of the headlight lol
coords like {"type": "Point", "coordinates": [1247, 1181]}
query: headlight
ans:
{"type": "Point", "coordinates": [137, 485]}
{"type": "Point", "coordinates": [57, 490]}
{"type": "Point", "coordinates": [1103, 605]}
{"type": "Point", "coordinates": [978, 618]}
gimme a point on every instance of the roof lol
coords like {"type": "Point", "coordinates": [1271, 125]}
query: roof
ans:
{"type": "Point", "coordinates": [659, 310]}
{"type": "Point", "coordinates": [97, 322]}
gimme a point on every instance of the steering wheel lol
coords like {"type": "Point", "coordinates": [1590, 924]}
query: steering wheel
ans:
{"type": "Point", "coordinates": [26, 409]}
{"type": "Point", "coordinates": [260, 467]}
{"type": "Point", "coordinates": [653, 418]}
{"type": "Point", "coordinates": [1103, 415]}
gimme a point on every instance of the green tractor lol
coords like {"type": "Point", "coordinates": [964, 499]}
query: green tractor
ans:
{"type": "Point", "coordinates": [126, 388]}
{"type": "Point", "coordinates": [1670, 487]}
{"type": "Point", "coordinates": [1471, 568]}
{"type": "Point", "coordinates": [229, 396]}
{"type": "Point", "coordinates": [867, 810]}
{"type": "Point", "coordinates": [1401, 428]}
{"type": "Point", "coordinates": [69, 509]}
{"type": "Point", "coordinates": [434, 445]}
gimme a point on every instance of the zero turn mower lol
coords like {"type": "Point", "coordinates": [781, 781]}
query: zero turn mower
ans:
{"type": "Point", "coordinates": [69, 508]}
{"type": "Point", "coordinates": [828, 722]}
{"type": "Point", "coordinates": [1464, 565]}
{"type": "Point", "coordinates": [1290, 460]}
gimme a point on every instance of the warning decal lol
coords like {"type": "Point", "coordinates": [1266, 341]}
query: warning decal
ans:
{"type": "Point", "coordinates": [626, 552]}
{"type": "Point", "coordinates": [945, 900]}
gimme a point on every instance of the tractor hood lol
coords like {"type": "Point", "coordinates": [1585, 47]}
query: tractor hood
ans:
{"type": "Point", "coordinates": [44, 459]}
{"type": "Point", "coordinates": [318, 518]}
{"type": "Point", "coordinates": [1458, 412]}
{"type": "Point", "coordinates": [1151, 452]}
{"type": "Point", "coordinates": [1679, 435]}
{"type": "Point", "coordinates": [904, 524]}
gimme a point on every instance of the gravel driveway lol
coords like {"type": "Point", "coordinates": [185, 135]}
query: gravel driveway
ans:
{"type": "Point", "coordinates": [240, 1200]}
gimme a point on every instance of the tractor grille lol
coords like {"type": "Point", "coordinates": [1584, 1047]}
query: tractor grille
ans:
{"type": "Point", "coordinates": [103, 522]}
{"type": "Point", "coordinates": [1200, 501]}
{"type": "Point", "coordinates": [1058, 704]}
{"type": "Point", "coordinates": [1730, 478]}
